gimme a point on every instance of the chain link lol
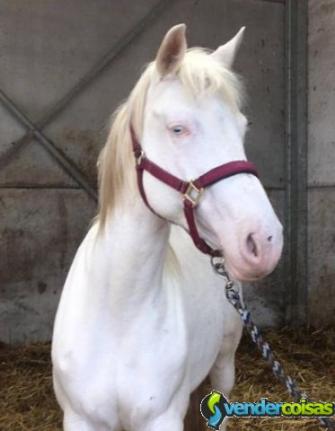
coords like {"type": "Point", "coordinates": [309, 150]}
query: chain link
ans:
{"type": "Point", "coordinates": [234, 298]}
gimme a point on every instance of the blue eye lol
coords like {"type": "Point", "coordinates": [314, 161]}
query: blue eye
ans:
{"type": "Point", "coordinates": [178, 130]}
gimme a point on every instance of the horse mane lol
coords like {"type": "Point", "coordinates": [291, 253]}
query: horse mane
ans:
{"type": "Point", "coordinates": [199, 74]}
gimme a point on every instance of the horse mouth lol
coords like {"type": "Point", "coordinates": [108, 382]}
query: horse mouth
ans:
{"type": "Point", "coordinates": [245, 275]}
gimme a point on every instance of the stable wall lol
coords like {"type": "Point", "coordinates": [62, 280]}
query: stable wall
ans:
{"type": "Point", "coordinates": [46, 48]}
{"type": "Point", "coordinates": [321, 163]}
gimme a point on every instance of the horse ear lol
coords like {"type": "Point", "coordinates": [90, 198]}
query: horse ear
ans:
{"type": "Point", "coordinates": [226, 53]}
{"type": "Point", "coordinates": [172, 50]}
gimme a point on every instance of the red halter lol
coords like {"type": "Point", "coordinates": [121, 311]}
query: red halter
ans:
{"type": "Point", "coordinates": [191, 190]}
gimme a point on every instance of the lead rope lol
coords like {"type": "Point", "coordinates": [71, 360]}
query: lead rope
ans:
{"type": "Point", "coordinates": [234, 298]}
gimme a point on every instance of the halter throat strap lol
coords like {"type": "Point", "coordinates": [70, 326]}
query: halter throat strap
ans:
{"type": "Point", "coordinates": [191, 191]}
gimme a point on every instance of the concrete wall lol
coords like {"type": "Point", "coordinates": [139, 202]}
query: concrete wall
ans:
{"type": "Point", "coordinates": [45, 48]}
{"type": "Point", "coordinates": [321, 162]}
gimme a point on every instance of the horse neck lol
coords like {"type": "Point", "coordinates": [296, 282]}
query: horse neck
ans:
{"type": "Point", "coordinates": [136, 242]}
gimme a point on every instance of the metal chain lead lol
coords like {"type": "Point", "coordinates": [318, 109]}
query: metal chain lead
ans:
{"type": "Point", "coordinates": [233, 297]}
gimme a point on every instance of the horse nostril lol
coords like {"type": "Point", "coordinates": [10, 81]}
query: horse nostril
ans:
{"type": "Point", "coordinates": [269, 238]}
{"type": "Point", "coordinates": [251, 245]}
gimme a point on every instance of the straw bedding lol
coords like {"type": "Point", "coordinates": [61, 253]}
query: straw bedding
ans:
{"type": "Point", "coordinates": [27, 401]}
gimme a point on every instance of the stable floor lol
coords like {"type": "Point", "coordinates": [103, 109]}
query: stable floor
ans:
{"type": "Point", "coordinates": [27, 402]}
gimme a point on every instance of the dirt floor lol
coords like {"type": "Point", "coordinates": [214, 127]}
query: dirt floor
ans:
{"type": "Point", "coordinates": [27, 401]}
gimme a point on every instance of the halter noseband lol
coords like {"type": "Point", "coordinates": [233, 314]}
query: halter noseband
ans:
{"type": "Point", "coordinates": [190, 190]}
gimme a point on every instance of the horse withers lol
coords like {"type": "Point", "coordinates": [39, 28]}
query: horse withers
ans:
{"type": "Point", "coordinates": [142, 318]}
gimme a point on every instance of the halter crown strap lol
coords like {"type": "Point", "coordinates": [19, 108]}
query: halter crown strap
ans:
{"type": "Point", "coordinates": [191, 190]}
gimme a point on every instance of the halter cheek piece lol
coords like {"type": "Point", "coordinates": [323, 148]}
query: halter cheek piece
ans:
{"type": "Point", "coordinates": [191, 190]}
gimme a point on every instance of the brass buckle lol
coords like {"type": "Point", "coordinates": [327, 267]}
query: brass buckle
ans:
{"type": "Point", "coordinates": [193, 194]}
{"type": "Point", "coordinates": [140, 158]}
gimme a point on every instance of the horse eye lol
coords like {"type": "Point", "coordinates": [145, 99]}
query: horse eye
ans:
{"type": "Point", "coordinates": [178, 130]}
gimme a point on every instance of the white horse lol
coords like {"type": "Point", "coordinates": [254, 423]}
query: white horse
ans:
{"type": "Point", "coordinates": [143, 319]}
